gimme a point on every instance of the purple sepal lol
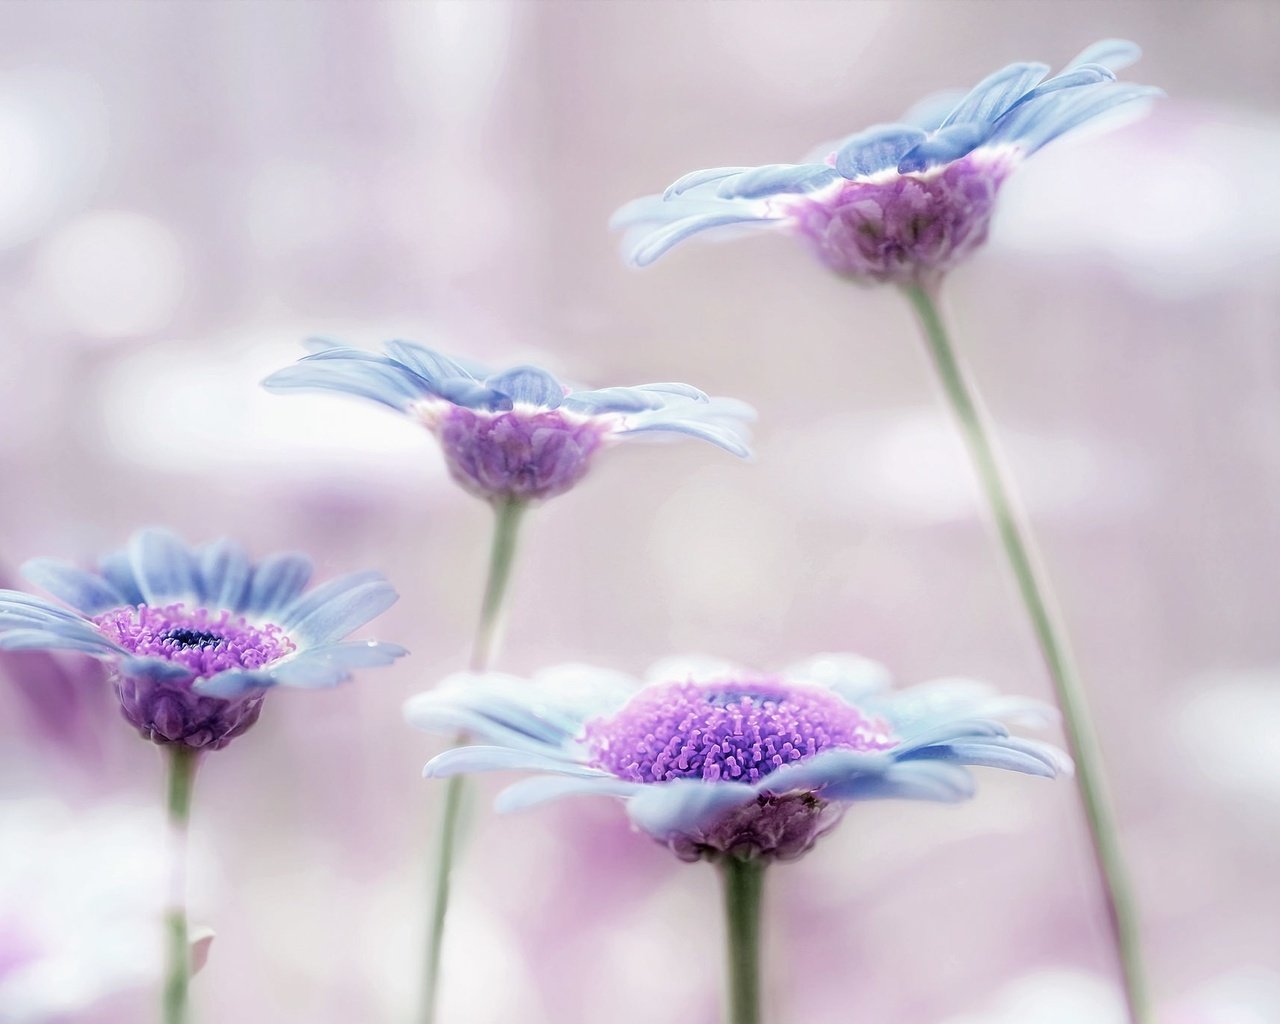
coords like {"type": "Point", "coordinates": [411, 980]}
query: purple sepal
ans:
{"type": "Point", "coordinates": [775, 828]}
{"type": "Point", "coordinates": [521, 454]}
{"type": "Point", "coordinates": [167, 711]}
{"type": "Point", "coordinates": [909, 228]}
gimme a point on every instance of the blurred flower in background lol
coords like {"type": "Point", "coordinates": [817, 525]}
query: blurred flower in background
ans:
{"type": "Point", "coordinates": [517, 435]}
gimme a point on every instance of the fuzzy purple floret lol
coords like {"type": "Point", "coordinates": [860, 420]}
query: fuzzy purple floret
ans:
{"type": "Point", "coordinates": [909, 228]}
{"type": "Point", "coordinates": [731, 731]}
{"type": "Point", "coordinates": [165, 709]}
{"type": "Point", "coordinates": [521, 454]}
{"type": "Point", "coordinates": [204, 642]}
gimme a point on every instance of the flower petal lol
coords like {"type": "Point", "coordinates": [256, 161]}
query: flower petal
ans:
{"type": "Point", "coordinates": [164, 566]}
{"type": "Point", "coordinates": [225, 572]}
{"type": "Point", "coordinates": [276, 583]}
{"type": "Point", "coordinates": [55, 639]}
{"type": "Point", "coordinates": [849, 676]}
{"type": "Point", "coordinates": [669, 809]}
{"type": "Point", "coordinates": [911, 780]}
{"type": "Point", "coordinates": [705, 176]}
{"type": "Point", "coordinates": [333, 610]}
{"type": "Point", "coordinates": [528, 384]}
{"type": "Point", "coordinates": [773, 179]}
{"type": "Point", "coordinates": [88, 592]}
{"type": "Point", "coordinates": [468, 759]}
{"type": "Point", "coordinates": [331, 664]}
{"type": "Point", "coordinates": [431, 365]}
{"type": "Point", "coordinates": [117, 569]}
{"type": "Point", "coordinates": [542, 789]}
{"type": "Point", "coordinates": [945, 145]}
{"type": "Point", "coordinates": [656, 243]}
{"type": "Point", "coordinates": [876, 149]}
{"type": "Point", "coordinates": [996, 93]}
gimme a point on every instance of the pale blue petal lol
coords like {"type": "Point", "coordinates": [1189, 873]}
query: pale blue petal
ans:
{"type": "Point", "coordinates": [117, 569]}
{"type": "Point", "coordinates": [945, 145]}
{"type": "Point", "coordinates": [276, 583]}
{"type": "Point", "coordinates": [86, 591]}
{"type": "Point", "coordinates": [1113, 54]}
{"type": "Point", "coordinates": [471, 394]}
{"type": "Point", "coordinates": [706, 176]}
{"type": "Point", "coordinates": [54, 639]}
{"type": "Point", "coordinates": [500, 715]}
{"type": "Point", "coordinates": [164, 566]}
{"type": "Point", "coordinates": [655, 243]}
{"type": "Point", "coordinates": [1085, 74]}
{"type": "Point", "coordinates": [224, 571]}
{"type": "Point", "coordinates": [911, 780]}
{"type": "Point", "coordinates": [729, 438]}
{"type": "Point", "coordinates": [773, 179]}
{"type": "Point", "coordinates": [989, 755]}
{"type": "Point", "coordinates": [605, 400]}
{"type": "Point", "coordinates": [996, 93]}
{"type": "Point", "coordinates": [831, 767]}
{"type": "Point", "coordinates": [233, 683]}
{"type": "Point", "coordinates": [542, 789]}
{"type": "Point", "coordinates": [331, 664]}
{"type": "Point", "coordinates": [683, 806]}
{"type": "Point", "coordinates": [333, 610]}
{"type": "Point", "coordinates": [669, 388]}
{"type": "Point", "coordinates": [1038, 122]}
{"type": "Point", "coordinates": [528, 384]}
{"type": "Point", "coordinates": [386, 383]}
{"type": "Point", "coordinates": [35, 609]}
{"type": "Point", "coordinates": [433, 366]}
{"type": "Point", "coordinates": [470, 759]}
{"type": "Point", "coordinates": [153, 668]}
{"type": "Point", "coordinates": [876, 149]}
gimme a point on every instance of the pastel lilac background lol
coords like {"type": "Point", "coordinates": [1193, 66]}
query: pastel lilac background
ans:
{"type": "Point", "coordinates": [186, 189]}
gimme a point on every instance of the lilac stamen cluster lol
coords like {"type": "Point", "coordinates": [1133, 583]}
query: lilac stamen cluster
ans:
{"type": "Point", "coordinates": [521, 454]}
{"type": "Point", "coordinates": [203, 641]}
{"type": "Point", "coordinates": [905, 228]}
{"type": "Point", "coordinates": [727, 731]}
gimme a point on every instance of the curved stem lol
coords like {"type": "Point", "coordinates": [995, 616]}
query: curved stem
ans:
{"type": "Point", "coordinates": [1015, 537]}
{"type": "Point", "coordinates": [507, 516]}
{"type": "Point", "coordinates": [182, 774]}
{"type": "Point", "coordinates": [743, 885]}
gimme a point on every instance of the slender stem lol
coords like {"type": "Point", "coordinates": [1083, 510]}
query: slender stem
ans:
{"type": "Point", "coordinates": [1015, 536]}
{"type": "Point", "coordinates": [743, 883]}
{"type": "Point", "coordinates": [507, 516]}
{"type": "Point", "coordinates": [182, 774]}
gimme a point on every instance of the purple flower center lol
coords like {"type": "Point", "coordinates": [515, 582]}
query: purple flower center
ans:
{"type": "Point", "coordinates": [904, 228]}
{"type": "Point", "coordinates": [524, 454]}
{"type": "Point", "coordinates": [203, 641]}
{"type": "Point", "coordinates": [735, 730]}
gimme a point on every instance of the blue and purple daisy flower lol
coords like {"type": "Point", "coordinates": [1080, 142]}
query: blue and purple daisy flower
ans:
{"type": "Point", "coordinates": [195, 636]}
{"type": "Point", "coordinates": [902, 202]}
{"type": "Point", "coordinates": [517, 434]}
{"type": "Point", "coordinates": [716, 761]}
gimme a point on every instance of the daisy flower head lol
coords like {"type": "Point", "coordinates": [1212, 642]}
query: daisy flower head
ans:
{"type": "Point", "coordinates": [514, 435]}
{"type": "Point", "coordinates": [194, 637]}
{"type": "Point", "coordinates": [902, 202]}
{"type": "Point", "coordinates": [714, 760]}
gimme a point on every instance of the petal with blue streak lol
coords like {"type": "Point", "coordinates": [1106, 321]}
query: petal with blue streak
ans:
{"type": "Point", "coordinates": [333, 610]}
{"type": "Point", "coordinates": [684, 806]}
{"type": "Point", "coordinates": [528, 384]}
{"type": "Point", "coordinates": [996, 93]}
{"type": "Point", "coordinates": [56, 639]}
{"type": "Point", "coordinates": [541, 789]}
{"type": "Point", "coordinates": [465, 760]}
{"type": "Point", "coordinates": [775, 179]}
{"type": "Point", "coordinates": [471, 394]}
{"type": "Point", "coordinates": [655, 243]}
{"type": "Point", "coordinates": [233, 683]}
{"type": "Point", "coordinates": [431, 365]}
{"type": "Point", "coordinates": [85, 591]}
{"type": "Point", "coordinates": [696, 179]}
{"type": "Point", "coordinates": [388, 384]}
{"type": "Point", "coordinates": [224, 571]}
{"type": "Point", "coordinates": [277, 582]}
{"type": "Point", "coordinates": [164, 566]}
{"type": "Point", "coordinates": [330, 664]}
{"type": "Point", "coordinates": [117, 569]}
{"type": "Point", "coordinates": [911, 780]}
{"type": "Point", "coordinates": [945, 145]}
{"type": "Point", "coordinates": [877, 149]}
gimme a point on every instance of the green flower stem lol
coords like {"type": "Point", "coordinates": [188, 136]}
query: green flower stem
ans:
{"type": "Point", "coordinates": [743, 885]}
{"type": "Point", "coordinates": [1015, 536]}
{"type": "Point", "coordinates": [507, 517]}
{"type": "Point", "coordinates": [182, 775]}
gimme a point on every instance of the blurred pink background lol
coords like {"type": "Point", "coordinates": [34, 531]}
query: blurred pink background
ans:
{"type": "Point", "coordinates": [188, 189]}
